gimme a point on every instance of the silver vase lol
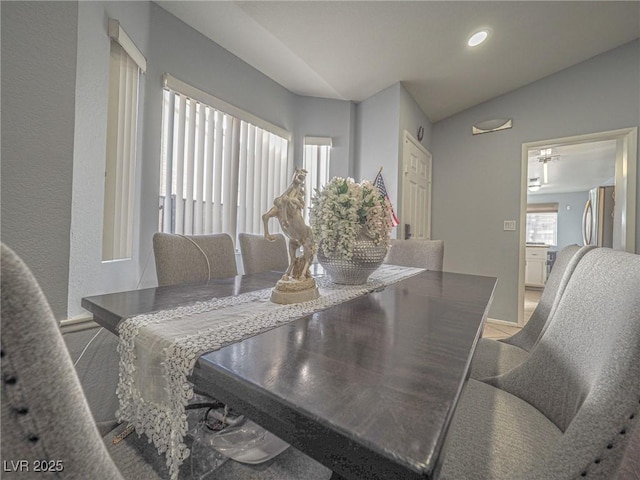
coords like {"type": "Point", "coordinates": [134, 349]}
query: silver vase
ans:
{"type": "Point", "coordinates": [367, 258]}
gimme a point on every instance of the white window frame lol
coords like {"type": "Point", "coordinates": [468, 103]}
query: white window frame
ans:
{"type": "Point", "coordinates": [317, 162]}
{"type": "Point", "coordinates": [126, 65]}
{"type": "Point", "coordinates": [232, 182]}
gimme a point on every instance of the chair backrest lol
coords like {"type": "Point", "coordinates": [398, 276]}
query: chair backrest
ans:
{"type": "Point", "coordinates": [193, 258]}
{"type": "Point", "coordinates": [45, 416]}
{"type": "Point", "coordinates": [427, 254]}
{"type": "Point", "coordinates": [261, 255]}
{"type": "Point", "coordinates": [563, 268]}
{"type": "Point", "coordinates": [584, 372]}
{"type": "Point", "coordinates": [630, 465]}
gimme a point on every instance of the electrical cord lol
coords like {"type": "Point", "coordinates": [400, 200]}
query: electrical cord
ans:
{"type": "Point", "coordinates": [87, 346]}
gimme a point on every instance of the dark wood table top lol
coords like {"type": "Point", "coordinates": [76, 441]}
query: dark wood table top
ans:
{"type": "Point", "coordinates": [367, 387]}
{"type": "Point", "coordinates": [109, 309]}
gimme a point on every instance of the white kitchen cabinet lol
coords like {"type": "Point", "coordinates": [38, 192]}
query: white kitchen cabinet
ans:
{"type": "Point", "coordinates": [536, 266]}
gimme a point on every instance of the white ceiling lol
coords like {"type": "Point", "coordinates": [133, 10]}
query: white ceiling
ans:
{"type": "Point", "coordinates": [575, 168]}
{"type": "Point", "coordinates": [352, 50]}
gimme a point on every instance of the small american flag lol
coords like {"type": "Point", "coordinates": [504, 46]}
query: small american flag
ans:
{"type": "Point", "coordinates": [379, 183]}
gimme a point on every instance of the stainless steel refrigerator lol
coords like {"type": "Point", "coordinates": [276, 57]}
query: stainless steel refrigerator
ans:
{"type": "Point", "coordinates": [597, 220]}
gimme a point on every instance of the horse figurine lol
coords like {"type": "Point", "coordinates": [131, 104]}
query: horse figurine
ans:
{"type": "Point", "coordinates": [288, 208]}
{"type": "Point", "coordinates": [297, 284]}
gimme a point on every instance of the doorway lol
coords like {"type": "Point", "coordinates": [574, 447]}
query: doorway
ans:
{"type": "Point", "coordinates": [416, 190]}
{"type": "Point", "coordinates": [625, 147]}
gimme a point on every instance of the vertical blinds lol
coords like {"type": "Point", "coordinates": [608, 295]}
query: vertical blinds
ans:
{"type": "Point", "coordinates": [542, 207]}
{"type": "Point", "coordinates": [317, 153]}
{"type": "Point", "coordinates": [219, 173]}
{"type": "Point", "coordinates": [122, 120]}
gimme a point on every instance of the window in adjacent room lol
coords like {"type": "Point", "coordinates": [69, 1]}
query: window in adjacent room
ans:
{"type": "Point", "coordinates": [317, 155]}
{"type": "Point", "coordinates": [542, 223]}
{"type": "Point", "coordinates": [221, 167]}
{"type": "Point", "coordinates": [126, 65]}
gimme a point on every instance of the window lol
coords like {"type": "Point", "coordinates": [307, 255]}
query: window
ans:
{"type": "Point", "coordinates": [542, 223]}
{"type": "Point", "coordinates": [126, 64]}
{"type": "Point", "coordinates": [317, 153]}
{"type": "Point", "coordinates": [221, 167]}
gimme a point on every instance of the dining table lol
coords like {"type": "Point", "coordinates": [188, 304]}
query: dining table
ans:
{"type": "Point", "coordinates": [367, 386]}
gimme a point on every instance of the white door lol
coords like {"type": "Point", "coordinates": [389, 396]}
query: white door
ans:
{"type": "Point", "coordinates": [416, 190]}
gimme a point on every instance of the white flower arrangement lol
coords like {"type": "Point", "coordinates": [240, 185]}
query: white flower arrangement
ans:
{"type": "Point", "coordinates": [342, 209]}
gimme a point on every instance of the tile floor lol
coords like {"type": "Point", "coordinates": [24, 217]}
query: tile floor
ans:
{"type": "Point", "coordinates": [499, 330]}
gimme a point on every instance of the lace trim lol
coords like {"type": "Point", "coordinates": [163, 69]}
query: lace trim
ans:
{"type": "Point", "coordinates": [166, 424]}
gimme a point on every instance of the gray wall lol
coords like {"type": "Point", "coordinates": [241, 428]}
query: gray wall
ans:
{"type": "Point", "coordinates": [377, 120]}
{"type": "Point", "coordinates": [569, 221]}
{"type": "Point", "coordinates": [38, 88]}
{"type": "Point", "coordinates": [412, 117]}
{"type": "Point", "coordinates": [88, 275]}
{"type": "Point", "coordinates": [178, 49]}
{"type": "Point", "coordinates": [98, 371]}
{"type": "Point", "coordinates": [477, 178]}
{"type": "Point", "coordinates": [380, 124]}
{"type": "Point", "coordinates": [55, 143]}
{"type": "Point", "coordinates": [319, 117]}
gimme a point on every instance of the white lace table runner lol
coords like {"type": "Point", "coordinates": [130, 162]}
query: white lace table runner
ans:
{"type": "Point", "coordinates": [159, 350]}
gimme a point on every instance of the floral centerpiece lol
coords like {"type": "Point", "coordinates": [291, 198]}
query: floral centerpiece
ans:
{"type": "Point", "coordinates": [351, 225]}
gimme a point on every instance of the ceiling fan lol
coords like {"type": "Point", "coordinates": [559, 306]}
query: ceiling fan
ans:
{"type": "Point", "coordinates": [546, 156]}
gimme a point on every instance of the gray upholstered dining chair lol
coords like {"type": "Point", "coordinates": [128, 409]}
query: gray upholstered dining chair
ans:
{"type": "Point", "coordinates": [94, 353]}
{"type": "Point", "coordinates": [45, 415]}
{"type": "Point", "coordinates": [630, 466]}
{"type": "Point", "coordinates": [261, 255]}
{"type": "Point", "coordinates": [427, 254]}
{"type": "Point", "coordinates": [494, 357]}
{"type": "Point", "coordinates": [569, 410]}
{"type": "Point", "coordinates": [193, 258]}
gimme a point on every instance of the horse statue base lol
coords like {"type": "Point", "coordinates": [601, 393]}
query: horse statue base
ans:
{"type": "Point", "coordinates": [291, 291]}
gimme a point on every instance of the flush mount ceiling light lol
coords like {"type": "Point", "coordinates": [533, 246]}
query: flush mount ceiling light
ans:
{"type": "Point", "coordinates": [477, 38]}
{"type": "Point", "coordinates": [534, 184]}
{"type": "Point", "coordinates": [491, 125]}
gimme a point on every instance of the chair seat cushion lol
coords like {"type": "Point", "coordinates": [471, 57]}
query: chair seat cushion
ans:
{"type": "Point", "coordinates": [494, 358]}
{"type": "Point", "coordinates": [495, 436]}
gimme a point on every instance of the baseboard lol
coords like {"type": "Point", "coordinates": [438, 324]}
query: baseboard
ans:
{"type": "Point", "coordinates": [501, 322]}
{"type": "Point", "coordinates": [77, 324]}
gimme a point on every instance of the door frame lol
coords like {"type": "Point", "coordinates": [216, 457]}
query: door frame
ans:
{"type": "Point", "coordinates": [626, 168]}
{"type": "Point", "coordinates": [407, 137]}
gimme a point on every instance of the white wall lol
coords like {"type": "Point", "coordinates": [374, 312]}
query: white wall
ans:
{"type": "Point", "coordinates": [38, 88]}
{"type": "Point", "coordinates": [477, 178]}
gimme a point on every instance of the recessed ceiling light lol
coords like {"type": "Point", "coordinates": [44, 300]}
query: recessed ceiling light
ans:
{"type": "Point", "coordinates": [477, 38]}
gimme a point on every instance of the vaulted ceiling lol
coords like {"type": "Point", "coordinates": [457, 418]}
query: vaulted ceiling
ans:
{"type": "Point", "coordinates": [352, 50]}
